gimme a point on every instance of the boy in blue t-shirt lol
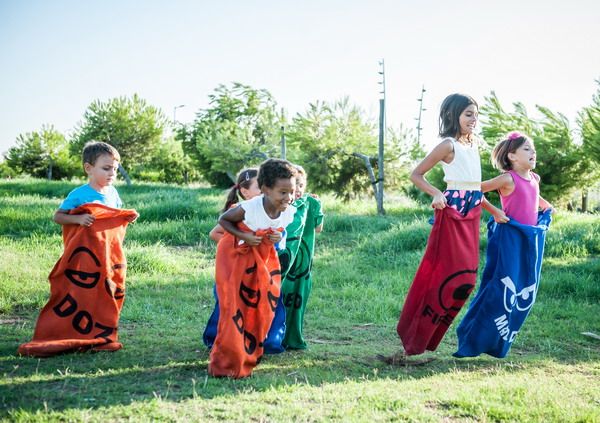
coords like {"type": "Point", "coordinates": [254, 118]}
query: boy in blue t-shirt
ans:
{"type": "Point", "coordinates": [100, 162]}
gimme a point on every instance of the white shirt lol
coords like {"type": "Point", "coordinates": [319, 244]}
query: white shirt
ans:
{"type": "Point", "coordinates": [256, 217]}
{"type": "Point", "coordinates": [466, 165]}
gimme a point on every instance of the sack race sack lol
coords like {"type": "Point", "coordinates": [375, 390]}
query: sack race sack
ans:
{"type": "Point", "coordinates": [296, 264]}
{"type": "Point", "coordinates": [248, 287]}
{"type": "Point", "coordinates": [445, 278]}
{"type": "Point", "coordinates": [87, 287]}
{"type": "Point", "coordinates": [508, 289]}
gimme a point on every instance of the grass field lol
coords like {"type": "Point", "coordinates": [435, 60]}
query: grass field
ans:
{"type": "Point", "coordinates": [363, 268]}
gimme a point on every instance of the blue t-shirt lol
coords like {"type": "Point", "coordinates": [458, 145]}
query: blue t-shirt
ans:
{"type": "Point", "coordinates": [87, 194]}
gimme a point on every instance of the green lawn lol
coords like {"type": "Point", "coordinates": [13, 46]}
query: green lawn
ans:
{"type": "Point", "coordinates": [363, 268]}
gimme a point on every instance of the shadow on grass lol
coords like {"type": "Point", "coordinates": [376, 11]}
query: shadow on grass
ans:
{"type": "Point", "coordinates": [88, 381]}
{"type": "Point", "coordinates": [170, 363]}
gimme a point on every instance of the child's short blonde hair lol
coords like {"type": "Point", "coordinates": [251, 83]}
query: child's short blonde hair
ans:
{"type": "Point", "coordinates": [301, 173]}
{"type": "Point", "coordinates": [94, 149]}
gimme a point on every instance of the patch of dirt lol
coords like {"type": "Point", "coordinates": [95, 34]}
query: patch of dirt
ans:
{"type": "Point", "coordinates": [11, 321]}
{"type": "Point", "coordinates": [402, 360]}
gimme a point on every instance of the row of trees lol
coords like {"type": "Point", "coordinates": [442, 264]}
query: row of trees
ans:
{"type": "Point", "coordinates": [242, 127]}
{"type": "Point", "coordinates": [131, 125]}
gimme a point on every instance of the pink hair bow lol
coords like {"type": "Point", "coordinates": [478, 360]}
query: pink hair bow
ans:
{"type": "Point", "coordinates": [514, 135]}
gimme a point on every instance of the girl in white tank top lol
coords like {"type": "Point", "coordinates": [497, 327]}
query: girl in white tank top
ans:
{"type": "Point", "coordinates": [459, 154]}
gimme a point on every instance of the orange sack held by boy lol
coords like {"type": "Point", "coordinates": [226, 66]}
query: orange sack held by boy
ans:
{"type": "Point", "coordinates": [87, 287]}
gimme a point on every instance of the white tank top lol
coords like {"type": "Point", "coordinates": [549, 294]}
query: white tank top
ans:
{"type": "Point", "coordinates": [464, 171]}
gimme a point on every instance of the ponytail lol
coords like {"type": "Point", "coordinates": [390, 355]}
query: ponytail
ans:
{"type": "Point", "coordinates": [244, 180]}
{"type": "Point", "coordinates": [232, 198]}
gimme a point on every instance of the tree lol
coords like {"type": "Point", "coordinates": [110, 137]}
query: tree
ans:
{"type": "Point", "coordinates": [42, 154]}
{"type": "Point", "coordinates": [589, 125]}
{"type": "Point", "coordinates": [170, 164]}
{"type": "Point", "coordinates": [130, 125]}
{"type": "Point", "coordinates": [240, 128]}
{"type": "Point", "coordinates": [561, 163]}
{"type": "Point", "coordinates": [6, 171]}
{"type": "Point", "coordinates": [332, 141]}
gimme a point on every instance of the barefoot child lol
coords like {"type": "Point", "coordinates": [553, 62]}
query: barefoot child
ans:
{"type": "Point", "coordinates": [248, 274]}
{"type": "Point", "coordinates": [87, 284]}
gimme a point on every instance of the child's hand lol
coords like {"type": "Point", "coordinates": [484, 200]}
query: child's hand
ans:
{"type": "Point", "coordinates": [132, 219]}
{"type": "Point", "coordinates": [85, 219]}
{"type": "Point", "coordinates": [439, 201]}
{"type": "Point", "coordinates": [315, 196]}
{"type": "Point", "coordinates": [500, 216]}
{"type": "Point", "coordinates": [274, 237]}
{"type": "Point", "coordinates": [251, 239]}
{"type": "Point", "coordinates": [547, 206]}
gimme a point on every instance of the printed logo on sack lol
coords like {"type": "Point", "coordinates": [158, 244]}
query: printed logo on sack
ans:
{"type": "Point", "coordinates": [522, 300]}
{"type": "Point", "coordinates": [452, 294]}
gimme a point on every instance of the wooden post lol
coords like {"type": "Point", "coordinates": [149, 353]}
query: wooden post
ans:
{"type": "Point", "coordinates": [125, 174]}
{"type": "Point", "coordinates": [379, 193]}
{"type": "Point", "coordinates": [283, 146]}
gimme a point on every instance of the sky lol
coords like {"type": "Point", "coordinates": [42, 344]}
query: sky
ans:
{"type": "Point", "coordinates": [58, 56]}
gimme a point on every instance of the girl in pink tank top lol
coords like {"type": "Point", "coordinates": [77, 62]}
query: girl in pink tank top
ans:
{"type": "Point", "coordinates": [518, 186]}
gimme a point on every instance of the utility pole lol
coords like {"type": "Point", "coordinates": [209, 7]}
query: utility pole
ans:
{"type": "Point", "coordinates": [283, 147]}
{"type": "Point", "coordinates": [175, 112]}
{"type": "Point", "coordinates": [421, 110]}
{"type": "Point", "coordinates": [382, 124]}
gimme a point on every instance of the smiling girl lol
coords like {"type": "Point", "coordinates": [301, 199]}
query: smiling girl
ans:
{"type": "Point", "coordinates": [248, 273]}
{"type": "Point", "coordinates": [448, 271]}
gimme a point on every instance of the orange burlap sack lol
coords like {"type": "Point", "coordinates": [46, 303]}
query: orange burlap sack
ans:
{"type": "Point", "coordinates": [248, 287]}
{"type": "Point", "coordinates": [87, 287]}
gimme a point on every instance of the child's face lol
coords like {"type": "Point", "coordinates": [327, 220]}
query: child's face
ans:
{"type": "Point", "coordinates": [468, 120]}
{"type": "Point", "coordinates": [252, 191]}
{"type": "Point", "coordinates": [524, 157]}
{"type": "Point", "coordinates": [281, 194]}
{"type": "Point", "coordinates": [103, 172]}
{"type": "Point", "coordinates": [300, 187]}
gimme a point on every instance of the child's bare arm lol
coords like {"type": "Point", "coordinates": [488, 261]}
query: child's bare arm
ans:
{"type": "Point", "coordinates": [62, 217]}
{"type": "Point", "coordinates": [503, 183]}
{"type": "Point", "coordinates": [439, 153]}
{"type": "Point", "coordinates": [544, 204]}
{"type": "Point", "coordinates": [498, 214]}
{"type": "Point", "coordinates": [216, 233]}
{"type": "Point", "coordinates": [228, 221]}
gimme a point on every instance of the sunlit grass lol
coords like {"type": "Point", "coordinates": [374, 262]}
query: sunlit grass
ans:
{"type": "Point", "coordinates": [362, 271]}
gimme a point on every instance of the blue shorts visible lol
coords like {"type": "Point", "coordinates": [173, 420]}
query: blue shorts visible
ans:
{"type": "Point", "coordinates": [463, 201]}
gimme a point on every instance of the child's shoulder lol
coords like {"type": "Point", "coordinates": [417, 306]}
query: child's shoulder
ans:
{"type": "Point", "coordinates": [446, 144]}
{"type": "Point", "coordinates": [313, 200]}
{"type": "Point", "coordinates": [81, 188]}
{"type": "Point", "coordinates": [447, 140]}
{"type": "Point", "coordinates": [253, 202]}
{"type": "Point", "coordinates": [80, 191]}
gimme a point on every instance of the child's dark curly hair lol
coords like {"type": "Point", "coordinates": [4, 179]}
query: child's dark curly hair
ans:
{"type": "Point", "coordinates": [272, 169]}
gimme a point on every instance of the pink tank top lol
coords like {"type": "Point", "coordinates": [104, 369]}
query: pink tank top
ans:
{"type": "Point", "coordinates": [523, 203]}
